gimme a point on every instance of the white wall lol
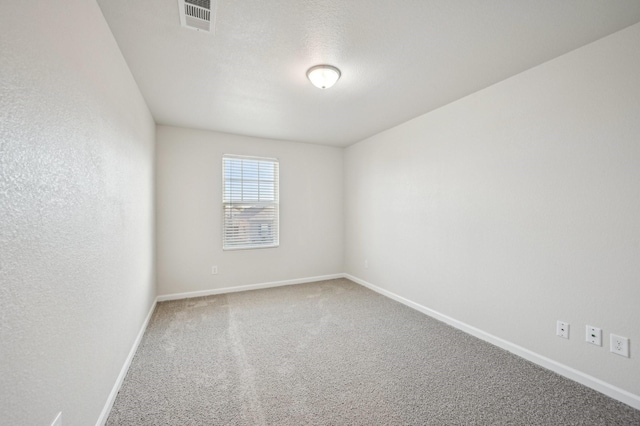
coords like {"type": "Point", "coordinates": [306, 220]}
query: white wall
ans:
{"type": "Point", "coordinates": [76, 212]}
{"type": "Point", "coordinates": [515, 207]}
{"type": "Point", "coordinates": [189, 209]}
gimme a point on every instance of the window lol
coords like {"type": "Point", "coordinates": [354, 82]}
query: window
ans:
{"type": "Point", "coordinates": [250, 202]}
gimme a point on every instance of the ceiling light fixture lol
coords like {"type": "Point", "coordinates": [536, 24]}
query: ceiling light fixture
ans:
{"type": "Point", "coordinates": [323, 76]}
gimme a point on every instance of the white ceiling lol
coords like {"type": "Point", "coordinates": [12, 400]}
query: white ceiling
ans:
{"type": "Point", "coordinates": [399, 59]}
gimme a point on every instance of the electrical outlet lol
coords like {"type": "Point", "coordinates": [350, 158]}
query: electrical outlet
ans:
{"type": "Point", "coordinates": [214, 270]}
{"type": "Point", "coordinates": [562, 329]}
{"type": "Point", "coordinates": [366, 264]}
{"type": "Point", "coordinates": [620, 345]}
{"type": "Point", "coordinates": [58, 420]}
{"type": "Point", "coordinates": [594, 335]}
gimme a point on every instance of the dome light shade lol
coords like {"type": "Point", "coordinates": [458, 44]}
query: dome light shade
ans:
{"type": "Point", "coordinates": [323, 76]}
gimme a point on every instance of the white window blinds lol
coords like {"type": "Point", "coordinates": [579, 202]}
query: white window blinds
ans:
{"type": "Point", "coordinates": [250, 202]}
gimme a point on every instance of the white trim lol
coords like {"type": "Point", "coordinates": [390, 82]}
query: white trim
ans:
{"type": "Point", "coordinates": [566, 371]}
{"type": "Point", "coordinates": [125, 368]}
{"type": "Point", "coordinates": [190, 294]}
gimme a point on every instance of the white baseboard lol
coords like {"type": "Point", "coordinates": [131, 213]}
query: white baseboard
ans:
{"type": "Point", "coordinates": [190, 294]}
{"type": "Point", "coordinates": [125, 368]}
{"type": "Point", "coordinates": [566, 371]}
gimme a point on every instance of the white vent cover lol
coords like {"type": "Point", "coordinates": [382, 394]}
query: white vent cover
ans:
{"type": "Point", "coordinates": [196, 14]}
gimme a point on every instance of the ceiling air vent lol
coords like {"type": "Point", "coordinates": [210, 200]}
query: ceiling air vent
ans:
{"type": "Point", "coordinates": [196, 14]}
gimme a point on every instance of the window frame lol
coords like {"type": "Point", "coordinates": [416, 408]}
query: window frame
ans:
{"type": "Point", "coordinates": [274, 242]}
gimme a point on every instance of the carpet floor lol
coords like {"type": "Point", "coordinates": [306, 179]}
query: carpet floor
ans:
{"type": "Point", "coordinates": [336, 353]}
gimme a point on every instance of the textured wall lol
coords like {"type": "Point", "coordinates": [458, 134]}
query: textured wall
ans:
{"type": "Point", "coordinates": [515, 207]}
{"type": "Point", "coordinates": [76, 212]}
{"type": "Point", "coordinates": [189, 212]}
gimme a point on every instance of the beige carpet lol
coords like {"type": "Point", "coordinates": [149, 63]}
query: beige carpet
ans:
{"type": "Point", "coordinates": [336, 353]}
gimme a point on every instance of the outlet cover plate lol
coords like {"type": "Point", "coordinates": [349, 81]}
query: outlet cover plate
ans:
{"type": "Point", "coordinates": [594, 335]}
{"type": "Point", "coordinates": [620, 345]}
{"type": "Point", "coordinates": [562, 329]}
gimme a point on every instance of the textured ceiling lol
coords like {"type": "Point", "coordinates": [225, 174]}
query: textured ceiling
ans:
{"type": "Point", "coordinates": [399, 59]}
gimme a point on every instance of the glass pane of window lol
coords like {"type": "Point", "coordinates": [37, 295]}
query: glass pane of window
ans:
{"type": "Point", "coordinates": [250, 202]}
